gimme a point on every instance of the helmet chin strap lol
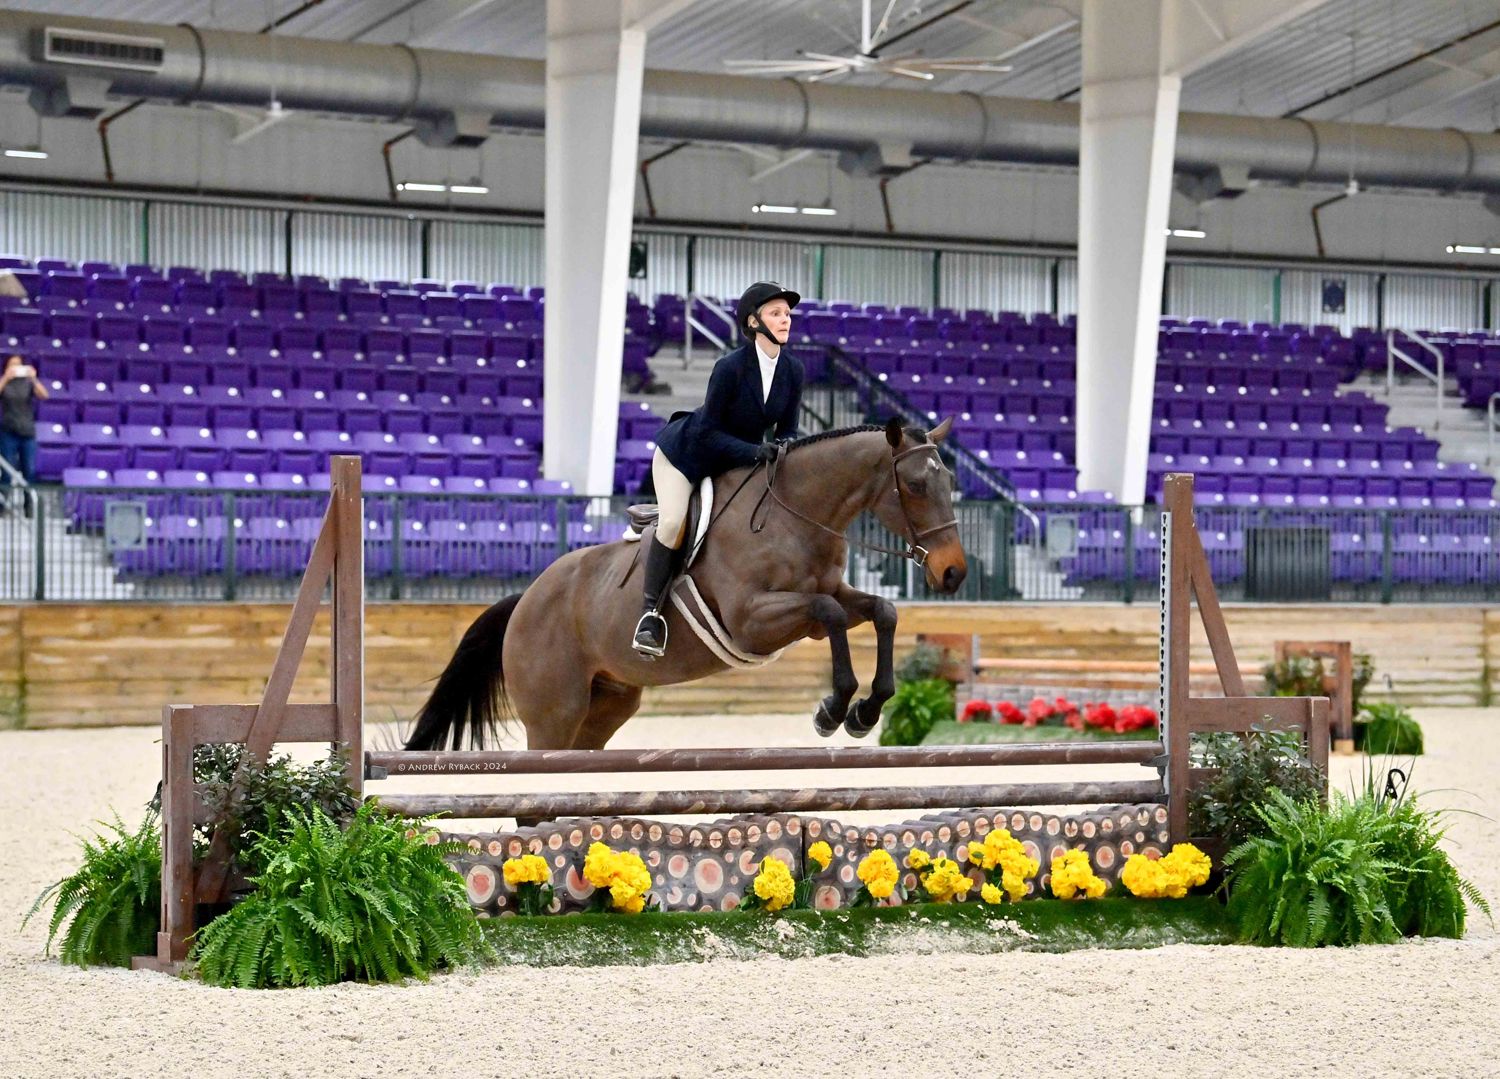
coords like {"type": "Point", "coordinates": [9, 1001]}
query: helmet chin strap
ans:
{"type": "Point", "coordinates": [761, 329]}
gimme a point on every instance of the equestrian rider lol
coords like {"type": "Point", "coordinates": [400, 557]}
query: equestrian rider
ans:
{"type": "Point", "coordinates": [754, 391]}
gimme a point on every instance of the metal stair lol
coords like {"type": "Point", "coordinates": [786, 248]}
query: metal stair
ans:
{"type": "Point", "coordinates": [1462, 434]}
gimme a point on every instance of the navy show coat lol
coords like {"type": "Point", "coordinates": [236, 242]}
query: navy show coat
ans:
{"type": "Point", "coordinates": [726, 431]}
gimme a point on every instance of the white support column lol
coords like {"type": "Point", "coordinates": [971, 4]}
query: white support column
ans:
{"type": "Point", "coordinates": [1127, 138]}
{"type": "Point", "coordinates": [1135, 54]}
{"type": "Point", "coordinates": [596, 55]}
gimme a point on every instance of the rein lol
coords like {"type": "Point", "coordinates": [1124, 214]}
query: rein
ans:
{"type": "Point", "coordinates": [914, 550]}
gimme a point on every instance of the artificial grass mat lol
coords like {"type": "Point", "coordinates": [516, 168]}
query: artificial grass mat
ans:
{"type": "Point", "coordinates": [950, 732]}
{"type": "Point", "coordinates": [1042, 925]}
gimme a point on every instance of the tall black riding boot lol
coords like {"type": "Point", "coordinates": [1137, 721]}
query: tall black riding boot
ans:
{"type": "Point", "coordinates": [651, 630]}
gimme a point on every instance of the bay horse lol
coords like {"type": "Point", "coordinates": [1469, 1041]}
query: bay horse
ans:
{"type": "Point", "coordinates": [558, 656]}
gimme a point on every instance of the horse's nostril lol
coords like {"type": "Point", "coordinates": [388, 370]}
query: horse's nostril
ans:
{"type": "Point", "coordinates": [950, 578]}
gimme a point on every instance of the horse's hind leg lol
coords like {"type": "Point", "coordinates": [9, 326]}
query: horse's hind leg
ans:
{"type": "Point", "coordinates": [609, 707]}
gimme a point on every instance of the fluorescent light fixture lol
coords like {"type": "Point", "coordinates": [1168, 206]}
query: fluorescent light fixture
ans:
{"type": "Point", "coordinates": [820, 211]}
{"type": "Point", "coordinates": [1472, 249]}
{"type": "Point", "coordinates": [39, 155]}
{"type": "Point", "coordinates": [409, 186]}
{"type": "Point", "coordinates": [1187, 234]}
{"type": "Point", "coordinates": [469, 189]}
{"type": "Point", "coordinates": [768, 208]}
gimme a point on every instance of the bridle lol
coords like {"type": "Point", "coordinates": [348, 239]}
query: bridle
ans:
{"type": "Point", "coordinates": [914, 549]}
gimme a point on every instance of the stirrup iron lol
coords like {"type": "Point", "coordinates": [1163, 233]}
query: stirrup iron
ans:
{"type": "Point", "coordinates": [647, 650]}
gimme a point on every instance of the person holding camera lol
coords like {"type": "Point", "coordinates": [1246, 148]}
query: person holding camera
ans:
{"type": "Point", "coordinates": [20, 390]}
{"type": "Point", "coordinates": [753, 390]}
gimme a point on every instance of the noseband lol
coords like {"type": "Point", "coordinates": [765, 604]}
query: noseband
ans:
{"type": "Point", "coordinates": [914, 550]}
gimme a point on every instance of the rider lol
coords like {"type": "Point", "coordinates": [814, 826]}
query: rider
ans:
{"type": "Point", "coordinates": [753, 391]}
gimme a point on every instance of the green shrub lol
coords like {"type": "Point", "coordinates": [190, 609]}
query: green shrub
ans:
{"type": "Point", "coordinates": [1302, 676]}
{"type": "Point", "coordinates": [374, 902]}
{"type": "Point", "coordinates": [916, 706]}
{"type": "Point", "coordinates": [922, 663]}
{"type": "Point", "coordinates": [1389, 729]}
{"type": "Point", "coordinates": [1363, 870]}
{"type": "Point", "coordinates": [114, 898]}
{"type": "Point", "coordinates": [1248, 768]}
{"type": "Point", "coordinates": [266, 794]}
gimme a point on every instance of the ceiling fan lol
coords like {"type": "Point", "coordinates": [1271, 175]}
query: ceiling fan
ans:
{"type": "Point", "coordinates": [817, 66]}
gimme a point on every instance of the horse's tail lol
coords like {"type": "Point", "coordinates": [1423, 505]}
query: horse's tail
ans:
{"type": "Point", "coordinates": [470, 693]}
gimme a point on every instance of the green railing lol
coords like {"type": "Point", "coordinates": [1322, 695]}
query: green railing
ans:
{"type": "Point", "coordinates": [96, 545]}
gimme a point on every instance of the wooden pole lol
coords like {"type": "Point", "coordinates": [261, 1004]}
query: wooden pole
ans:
{"type": "Point", "coordinates": [380, 765]}
{"type": "Point", "coordinates": [796, 800]}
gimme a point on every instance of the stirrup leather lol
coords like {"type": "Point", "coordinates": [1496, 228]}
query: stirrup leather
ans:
{"type": "Point", "coordinates": [644, 647]}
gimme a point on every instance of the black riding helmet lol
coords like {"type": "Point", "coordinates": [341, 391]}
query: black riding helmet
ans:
{"type": "Point", "coordinates": [756, 297]}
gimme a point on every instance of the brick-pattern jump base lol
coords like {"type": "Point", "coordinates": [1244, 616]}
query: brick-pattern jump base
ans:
{"type": "Point", "coordinates": [710, 866]}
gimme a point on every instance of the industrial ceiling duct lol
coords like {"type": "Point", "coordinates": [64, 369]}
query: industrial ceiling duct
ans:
{"type": "Point", "coordinates": [453, 98]}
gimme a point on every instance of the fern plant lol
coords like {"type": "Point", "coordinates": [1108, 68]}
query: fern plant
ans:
{"type": "Point", "coordinates": [1363, 870]}
{"type": "Point", "coordinates": [1318, 876]}
{"type": "Point", "coordinates": [114, 899]}
{"type": "Point", "coordinates": [374, 902]}
{"type": "Point", "coordinates": [916, 706]}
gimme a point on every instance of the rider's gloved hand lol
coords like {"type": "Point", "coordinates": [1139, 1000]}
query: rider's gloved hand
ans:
{"type": "Point", "coordinates": [767, 452]}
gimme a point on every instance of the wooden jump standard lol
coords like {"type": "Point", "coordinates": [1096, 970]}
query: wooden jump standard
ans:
{"type": "Point", "coordinates": [337, 556]}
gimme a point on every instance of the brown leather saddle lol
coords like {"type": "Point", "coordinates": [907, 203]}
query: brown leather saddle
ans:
{"type": "Point", "coordinates": [642, 519]}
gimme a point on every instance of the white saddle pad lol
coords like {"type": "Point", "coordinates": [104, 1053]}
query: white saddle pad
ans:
{"type": "Point", "coordinates": [706, 497]}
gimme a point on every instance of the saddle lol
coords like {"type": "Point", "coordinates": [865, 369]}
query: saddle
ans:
{"type": "Point", "coordinates": [642, 517]}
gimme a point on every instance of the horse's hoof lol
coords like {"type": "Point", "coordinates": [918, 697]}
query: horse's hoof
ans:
{"type": "Point", "coordinates": [825, 722]}
{"type": "Point", "coordinates": [856, 722]}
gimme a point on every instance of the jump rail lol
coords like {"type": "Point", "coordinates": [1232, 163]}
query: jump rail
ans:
{"type": "Point", "coordinates": [337, 556]}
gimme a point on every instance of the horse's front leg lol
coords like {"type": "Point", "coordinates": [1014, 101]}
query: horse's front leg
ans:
{"type": "Point", "coordinates": [791, 615]}
{"type": "Point", "coordinates": [861, 607]}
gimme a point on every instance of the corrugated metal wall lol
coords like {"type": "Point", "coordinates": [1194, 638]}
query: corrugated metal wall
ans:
{"type": "Point", "coordinates": [218, 237]}
{"type": "Point", "coordinates": [472, 251]}
{"type": "Point", "coordinates": [72, 227]}
{"type": "Point", "coordinates": [1067, 287]}
{"type": "Point", "coordinates": [885, 275]}
{"type": "Point", "coordinates": [995, 282]}
{"type": "Point", "coordinates": [1418, 302]}
{"type": "Point", "coordinates": [1231, 292]}
{"type": "Point", "coordinates": [1302, 298]}
{"type": "Point", "coordinates": [666, 266]}
{"type": "Point", "coordinates": [356, 245]}
{"type": "Point", "coordinates": [725, 267]}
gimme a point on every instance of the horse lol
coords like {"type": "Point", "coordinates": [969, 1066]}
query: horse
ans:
{"type": "Point", "coordinates": [558, 655]}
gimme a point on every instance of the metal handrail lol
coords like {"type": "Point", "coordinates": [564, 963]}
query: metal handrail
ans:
{"type": "Point", "coordinates": [690, 323]}
{"type": "Point", "coordinates": [1437, 377]}
{"type": "Point", "coordinates": [1489, 454]}
{"type": "Point", "coordinates": [19, 481]}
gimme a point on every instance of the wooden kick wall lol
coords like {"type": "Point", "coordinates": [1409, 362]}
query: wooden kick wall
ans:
{"type": "Point", "coordinates": [90, 665]}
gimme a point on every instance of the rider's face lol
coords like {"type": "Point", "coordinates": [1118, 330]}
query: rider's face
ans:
{"type": "Point", "coordinates": [776, 316]}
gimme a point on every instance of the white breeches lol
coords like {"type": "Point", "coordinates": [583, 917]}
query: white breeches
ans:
{"type": "Point", "coordinates": [672, 493]}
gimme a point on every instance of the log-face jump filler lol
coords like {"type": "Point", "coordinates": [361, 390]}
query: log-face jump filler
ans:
{"type": "Point", "coordinates": [770, 572]}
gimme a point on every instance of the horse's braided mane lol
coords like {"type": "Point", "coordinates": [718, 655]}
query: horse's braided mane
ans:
{"type": "Point", "coordinates": [914, 433]}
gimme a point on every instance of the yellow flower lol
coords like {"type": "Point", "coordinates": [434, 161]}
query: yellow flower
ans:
{"type": "Point", "coordinates": [879, 874]}
{"type": "Point", "coordinates": [918, 859]}
{"type": "Point", "coordinates": [821, 853]}
{"type": "Point", "coordinates": [990, 894]}
{"type": "Point", "coordinates": [623, 873]}
{"type": "Point", "coordinates": [774, 884]}
{"type": "Point", "coordinates": [1072, 877]}
{"type": "Point", "coordinates": [527, 869]}
{"type": "Point", "coordinates": [1170, 877]}
{"type": "Point", "coordinates": [946, 880]}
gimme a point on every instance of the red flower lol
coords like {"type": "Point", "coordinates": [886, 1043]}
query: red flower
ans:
{"type": "Point", "coordinates": [1101, 716]}
{"type": "Point", "coordinates": [1038, 710]}
{"type": "Point", "coordinates": [1009, 713]}
{"type": "Point", "coordinates": [980, 711]}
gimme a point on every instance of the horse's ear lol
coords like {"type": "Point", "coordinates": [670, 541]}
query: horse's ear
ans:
{"type": "Point", "coordinates": [893, 432]}
{"type": "Point", "coordinates": [940, 432]}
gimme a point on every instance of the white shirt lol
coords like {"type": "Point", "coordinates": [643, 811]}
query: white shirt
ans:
{"type": "Point", "coordinates": [767, 370]}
